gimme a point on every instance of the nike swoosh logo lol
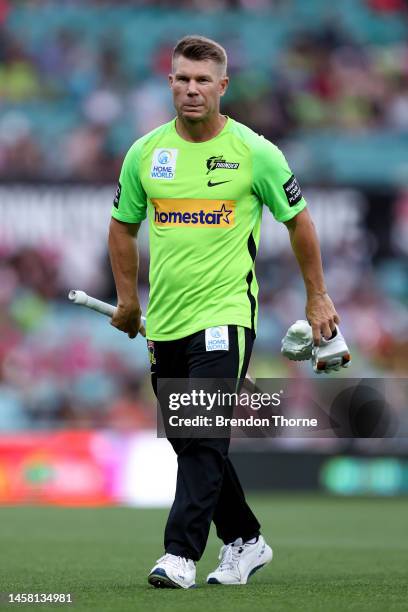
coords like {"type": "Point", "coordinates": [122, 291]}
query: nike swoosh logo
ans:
{"type": "Point", "coordinates": [210, 184]}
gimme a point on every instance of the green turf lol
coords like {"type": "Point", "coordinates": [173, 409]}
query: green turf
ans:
{"type": "Point", "coordinates": [330, 554]}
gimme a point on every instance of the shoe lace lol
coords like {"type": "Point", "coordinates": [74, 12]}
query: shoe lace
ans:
{"type": "Point", "coordinates": [175, 562]}
{"type": "Point", "coordinates": [229, 556]}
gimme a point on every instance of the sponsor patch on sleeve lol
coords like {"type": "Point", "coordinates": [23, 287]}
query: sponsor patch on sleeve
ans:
{"type": "Point", "coordinates": [117, 195]}
{"type": "Point", "coordinates": [292, 191]}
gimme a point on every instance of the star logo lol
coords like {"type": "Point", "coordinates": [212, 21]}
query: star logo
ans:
{"type": "Point", "coordinates": [225, 213]}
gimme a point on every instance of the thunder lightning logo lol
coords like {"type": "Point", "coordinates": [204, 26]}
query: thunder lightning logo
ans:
{"type": "Point", "coordinates": [218, 161]}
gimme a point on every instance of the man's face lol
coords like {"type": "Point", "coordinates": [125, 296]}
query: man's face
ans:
{"type": "Point", "coordinates": [197, 87]}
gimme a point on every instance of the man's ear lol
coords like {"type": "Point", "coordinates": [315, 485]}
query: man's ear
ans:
{"type": "Point", "coordinates": [171, 79]}
{"type": "Point", "coordinates": [224, 85]}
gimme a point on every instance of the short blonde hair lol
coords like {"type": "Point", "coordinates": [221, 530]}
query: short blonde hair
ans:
{"type": "Point", "coordinates": [200, 48]}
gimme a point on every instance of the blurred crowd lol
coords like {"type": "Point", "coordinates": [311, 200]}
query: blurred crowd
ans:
{"type": "Point", "coordinates": [59, 367]}
{"type": "Point", "coordinates": [56, 368]}
{"type": "Point", "coordinates": [74, 95]}
{"type": "Point", "coordinates": [381, 6]}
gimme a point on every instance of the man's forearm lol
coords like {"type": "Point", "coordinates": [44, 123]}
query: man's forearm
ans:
{"type": "Point", "coordinates": [305, 245]}
{"type": "Point", "coordinates": [124, 258]}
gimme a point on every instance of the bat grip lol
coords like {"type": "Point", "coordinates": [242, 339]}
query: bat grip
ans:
{"type": "Point", "coordinates": [83, 299]}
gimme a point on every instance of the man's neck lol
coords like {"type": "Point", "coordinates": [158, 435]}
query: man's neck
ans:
{"type": "Point", "coordinates": [200, 131]}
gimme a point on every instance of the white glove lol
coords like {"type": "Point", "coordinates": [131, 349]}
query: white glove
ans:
{"type": "Point", "coordinates": [330, 356]}
{"type": "Point", "coordinates": [298, 342]}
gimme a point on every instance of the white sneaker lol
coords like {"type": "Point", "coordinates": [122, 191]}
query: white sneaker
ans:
{"type": "Point", "coordinates": [239, 561]}
{"type": "Point", "coordinates": [172, 572]}
{"type": "Point", "coordinates": [331, 354]}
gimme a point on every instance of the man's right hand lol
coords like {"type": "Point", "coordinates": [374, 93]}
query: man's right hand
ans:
{"type": "Point", "coordinates": [127, 319]}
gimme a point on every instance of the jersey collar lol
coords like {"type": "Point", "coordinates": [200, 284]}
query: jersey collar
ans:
{"type": "Point", "coordinates": [205, 142]}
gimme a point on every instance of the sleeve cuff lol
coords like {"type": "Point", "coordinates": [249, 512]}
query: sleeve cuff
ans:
{"type": "Point", "coordinates": [292, 213]}
{"type": "Point", "coordinates": [126, 218]}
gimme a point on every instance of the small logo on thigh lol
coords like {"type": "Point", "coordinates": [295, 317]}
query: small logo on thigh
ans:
{"type": "Point", "coordinates": [216, 338]}
{"type": "Point", "coordinates": [150, 348]}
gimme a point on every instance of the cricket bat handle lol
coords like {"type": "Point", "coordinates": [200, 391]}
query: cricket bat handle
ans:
{"type": "Point", "coordinates": [83, 299]}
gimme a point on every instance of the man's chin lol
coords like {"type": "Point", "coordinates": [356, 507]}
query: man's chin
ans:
{"type": "Point", "coordinates": [192, 115]}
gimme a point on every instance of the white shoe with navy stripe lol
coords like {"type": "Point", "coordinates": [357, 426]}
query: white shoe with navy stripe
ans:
{"type": "Point", "coordinates": [240, 560]}
{"type": "Point", "coordinates": [172, 572]}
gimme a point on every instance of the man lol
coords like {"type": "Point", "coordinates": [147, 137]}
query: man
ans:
{"type": "Point", "coordinates": [202, 180]}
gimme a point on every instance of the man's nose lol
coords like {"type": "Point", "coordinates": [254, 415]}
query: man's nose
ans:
{"type": "Point", "coordinates": [192, 88]}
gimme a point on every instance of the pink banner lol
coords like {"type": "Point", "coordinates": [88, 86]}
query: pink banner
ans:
{"type": "Point", "coordinates": [63, 468]}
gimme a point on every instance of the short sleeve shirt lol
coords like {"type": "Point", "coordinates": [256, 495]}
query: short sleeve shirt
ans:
{"type": "Point", "coordinates": [204, 204]}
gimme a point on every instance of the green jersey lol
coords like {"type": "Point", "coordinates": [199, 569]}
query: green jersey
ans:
{"type": "Point", "coordinates": [204, 204]}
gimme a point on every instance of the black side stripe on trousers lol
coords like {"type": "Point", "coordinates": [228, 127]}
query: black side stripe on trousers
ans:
{"type": "Point", "coordinates": [250, 276]}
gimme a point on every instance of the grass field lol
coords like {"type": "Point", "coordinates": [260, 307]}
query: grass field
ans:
{"type": "Point", "coordinates": [330, 554]}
